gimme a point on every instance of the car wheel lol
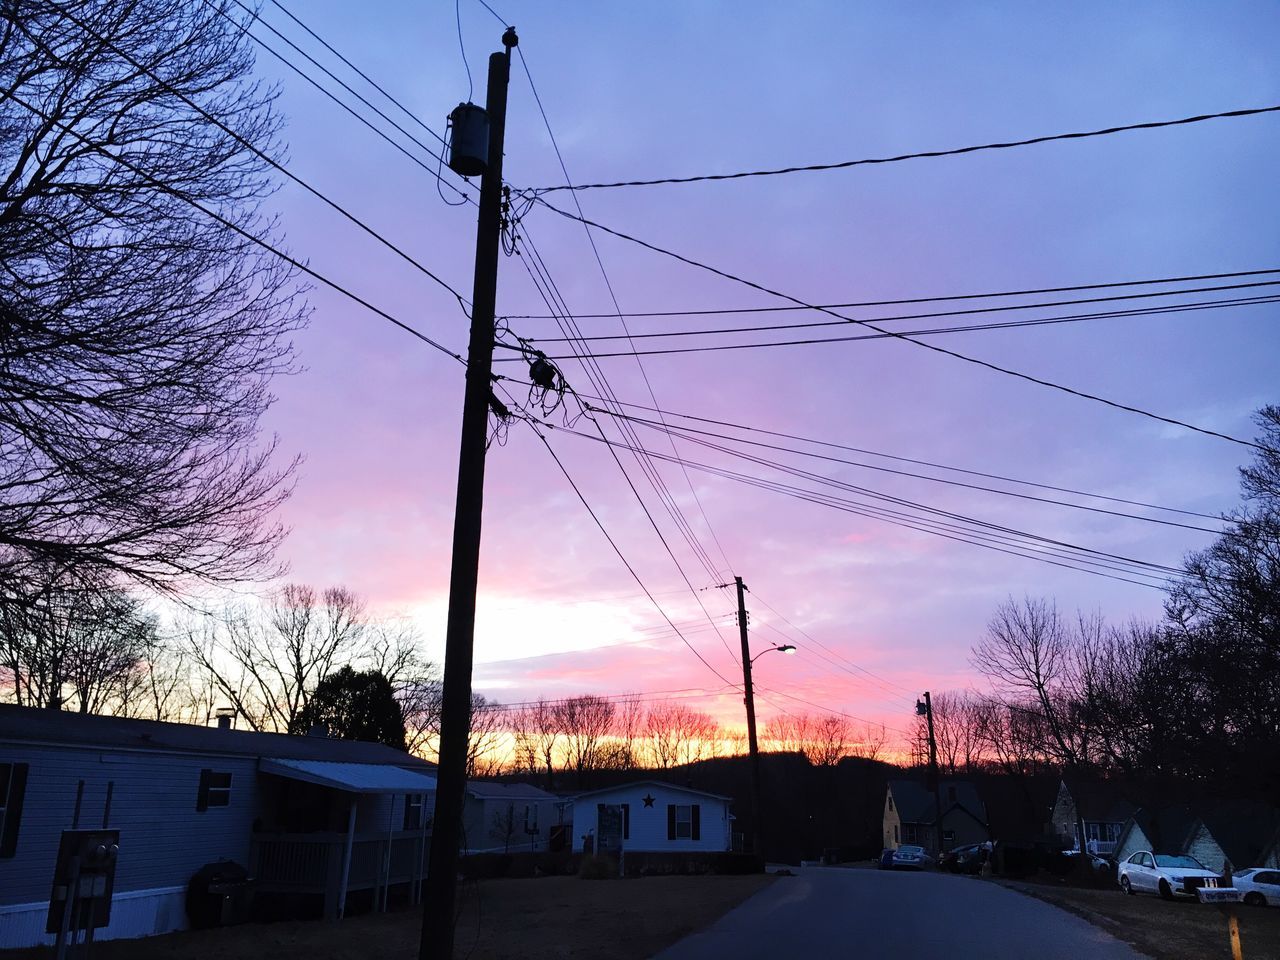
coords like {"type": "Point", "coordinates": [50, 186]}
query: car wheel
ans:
{"type": "Point", "coordinates": [1126, 886]}
{"type": "Point", "coordinates": [1166, 891]}
{"type": "Point", "coordinates": [1254, 899]}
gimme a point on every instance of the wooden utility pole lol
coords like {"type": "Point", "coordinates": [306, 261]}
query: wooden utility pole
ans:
{"type": "Point", "coordinates": [750, 700]}
{"type": "Point", "coordinates": [455, 713]}
{"type": "Point", "coordinates": [933, 767]}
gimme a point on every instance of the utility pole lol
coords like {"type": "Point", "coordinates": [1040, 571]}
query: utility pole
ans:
{"type": "Point", "coordinates": [926, 709]}
{"type": "Point", "coordinates": [440, 898]}
{"type": "Point", "coordinates": [750, 700]}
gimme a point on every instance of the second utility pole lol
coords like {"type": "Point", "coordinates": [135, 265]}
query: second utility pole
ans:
{"type": "Point", "coordinates": [440, 894]}
{"type": "Point", "coordinates": [750, 700]}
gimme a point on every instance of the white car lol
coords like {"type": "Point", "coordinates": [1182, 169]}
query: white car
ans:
{"type": "Point", "coordinates": [911, 857]}
{"type": "Point", "coordinates": [1258, 886]}
{"type": "Point", "coordinates": [1165, 874]}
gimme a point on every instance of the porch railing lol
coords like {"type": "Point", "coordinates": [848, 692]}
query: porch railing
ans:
{"type": "Point", "coordinates": [312, 863]}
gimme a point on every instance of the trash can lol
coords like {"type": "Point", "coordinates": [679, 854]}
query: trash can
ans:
{"type": "Point", "coordinates": [219, 894]}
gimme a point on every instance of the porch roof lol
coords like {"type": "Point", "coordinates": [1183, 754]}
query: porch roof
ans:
{"type": "Point", "coordinates": [351, 777]}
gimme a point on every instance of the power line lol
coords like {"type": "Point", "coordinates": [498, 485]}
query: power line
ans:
{"type": "Point", "coordinates": [787, 308]}
{"type": "Point", "coordinates": [683, 431]}
{"type": "Point", "coordinates": [1042, 550]}
{"type": "Point", "coordinates": [265, 157]}
{"type": "Point", "coordinates": [314, 274]}
{"type": "Point", "coordinates": [903, 334]}
{"type": "Point", "coordinates": [923, 463]}
{"type": "Point", "coordinates": [612, 295]}
{"type": "Point", "coordinates": [920, 343]}
{"type": "Point", "coordinates": [630, 569]}
{"type": "Point", "coordinates": [829, 710]}
{"type": "Point", "coordinates": [760, 328]}
{"type": "Point", "coordinates": [951, 152]}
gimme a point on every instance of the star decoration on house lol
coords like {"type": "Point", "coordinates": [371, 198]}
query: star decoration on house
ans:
{"type": "Point", "coordinates": [648, 799]}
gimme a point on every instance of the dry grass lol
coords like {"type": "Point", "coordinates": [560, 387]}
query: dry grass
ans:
{"type": "Point", "coordinates": [1167, 930]}
{"type": "Point", "coordinates": [551, 918]}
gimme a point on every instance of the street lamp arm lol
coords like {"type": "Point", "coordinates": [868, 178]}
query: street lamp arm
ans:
{"type": "Point", "coordinates": [781, 648]}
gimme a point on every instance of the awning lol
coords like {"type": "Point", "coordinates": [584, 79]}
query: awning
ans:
{"type": "Point", "coordinates": [352, 777]}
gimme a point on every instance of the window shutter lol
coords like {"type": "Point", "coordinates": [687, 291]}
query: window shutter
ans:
{"type": "Point", "coordinates": [671, 821]}
{"type": "Point", "coordinates": [202, 797]}
{"type": "Point", "coordinates": [697, 811]}
{"type": "Point", "coordinates": [13, 809]}
{"type": "Point", "coordinates": [626, 821]}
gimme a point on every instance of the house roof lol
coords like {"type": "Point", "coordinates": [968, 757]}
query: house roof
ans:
{"type": "Point", "coordinates": [32, 725]}
{"type": "Point", "coordinates": [915, 802]}
{"type": "Point", "coordinates": [352, 777]}
{"type": "Point", "coordinates": [493, 789]}
{"type": "Point", "coordinates": [622, 787]}
{"type": "Point", "coordinates": [1098, 800]}
{"type": "Point", "coordinates": [1168, 829]}
{"type": "Point", "coordinates": [1243, 829]}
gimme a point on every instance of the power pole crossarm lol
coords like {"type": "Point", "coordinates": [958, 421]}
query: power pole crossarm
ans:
{"type": "Point", "coordinates": [455, 714]}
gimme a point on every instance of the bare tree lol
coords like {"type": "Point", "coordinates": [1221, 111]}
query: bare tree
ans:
{"type": "Point", "coordinates": [137, 335]}
{"type": "Point", "coordinates": [677, 735]}
{"type": "Point", "coordinates": [586, 721]}
{"type": "Point", "coordinates": [537, 732]}
{"type": "Point", "coordinates": [869, 740]}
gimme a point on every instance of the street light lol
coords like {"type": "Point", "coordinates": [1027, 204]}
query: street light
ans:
{"type": "Point", "coordinates": [782, 648]}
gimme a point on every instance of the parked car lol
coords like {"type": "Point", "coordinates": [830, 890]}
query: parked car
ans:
{"type": "Point", "coordinates": [1258, 886]}
{"type": "Point", "coordinates": [1099, 865]}
{"type": "Point", "coordinates": [909, 857]}
{"type": "Point", "coordinates": [966, 859]}
{"type": "Point", "coordinates": [886, 858]}
{"type": "Point", "coordinates": [1169, 875]}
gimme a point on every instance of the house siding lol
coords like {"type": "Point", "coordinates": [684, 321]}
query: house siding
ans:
{"type": "Point", "coordinates": [1131, 841]}
{"type": "Point", "coordinates": [1064, 817]}
{"type": "Point", "coordinates": [892, 823]}
{"type": "Point", "coordinates": [1206, 849]}
{"type": "Point", "coordinates": [163, 838]}
{"type": "Point", "coordinates": [649, 824]}
{"type": "Point", "coordinates": [484, 823]}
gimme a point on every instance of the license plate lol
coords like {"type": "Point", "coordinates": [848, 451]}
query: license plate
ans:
{"type": "Point", "coordinates": [1218, 895]}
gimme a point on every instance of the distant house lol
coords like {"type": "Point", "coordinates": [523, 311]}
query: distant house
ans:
{"type": "Point", "coordinates": [307, 816]}
{"type": "Point", "coordinates": [1239, 832]}
{"type": "Point", "coordinates": [1164, 830]}
{"type": "Point", "coordinates": [650, 815]}
{"type": "Point", "coordinates": [1018, 808]}
{"type": "Point", "coordinates": [1089, 813]}
{"type": "Point", "coordinates": [503, 817]}
{"type": "Point", "coordinates": [910, 815]}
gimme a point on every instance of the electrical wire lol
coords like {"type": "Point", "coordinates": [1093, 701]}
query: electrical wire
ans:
{"type": "Point", "coordinates": [920, 343]}
{"type": "Point", "coordinates": [612, 295]}
{"type": "Point", "coordinates": [681, 431]}
{"type": "Point", "coordinates": [762, 328]}
{"type": "Point", "coordinates": [265, 157]}
{"type": "Point", "coordinates": [212, 214]}
{"type": "Point", "coordinates": [788, 308]}
{"type": "Point", "coordinates": [917, 462]}
{"type": "Point", "coordinates": [951, 152]}
{"type": "Point", "coordinates": [901, 334]}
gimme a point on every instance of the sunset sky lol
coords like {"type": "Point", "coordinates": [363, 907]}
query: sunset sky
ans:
{"type": "Point", "coordinates": [879, 612]}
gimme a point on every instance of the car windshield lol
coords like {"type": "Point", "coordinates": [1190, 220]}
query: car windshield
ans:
{"type": "Point", "coordinates": [911, 851]}
{"type": "Point", "coordinates": [1188, 863]}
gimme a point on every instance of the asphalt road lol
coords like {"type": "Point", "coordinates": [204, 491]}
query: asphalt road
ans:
{"type": "Point", "coordinates": [871, 914]}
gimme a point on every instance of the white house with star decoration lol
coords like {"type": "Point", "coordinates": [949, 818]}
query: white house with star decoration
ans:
{"type": "Point", "coordinates": [651, 815]}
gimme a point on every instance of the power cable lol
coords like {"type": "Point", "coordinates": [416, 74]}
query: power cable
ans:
{"type": "Point", "coordinates": [265, 157]}
{"type": "Point", "coordinates": [920, 343]}
{"type": "Point", "coordinates": [681, 431]}
{"type": "Point", "coordinates": [951, 152]}
{"type": "Point", "coordinates": [922, 463]}
{"type": "Point", "coordinates": [763, 328]}
{"type": "Point", "coordinates": [314, 274]}
{"type": "Point", "coordinates": [829, 710]}
{"type": "Point", "coordinates": [612, 295]}
{"type": "Point", "coordinates": [788, 308]}
{"type": "Point", "coordinates": [904, 334]}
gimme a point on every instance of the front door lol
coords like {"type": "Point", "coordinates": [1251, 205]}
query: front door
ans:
{"type": "Point", "coordinates": [608, 828]}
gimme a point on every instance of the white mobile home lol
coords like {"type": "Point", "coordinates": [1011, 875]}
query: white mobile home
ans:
{"type": "Point", "coordinates": [307, 816]}
{"type": "Point", "coordinates": [651, 816]}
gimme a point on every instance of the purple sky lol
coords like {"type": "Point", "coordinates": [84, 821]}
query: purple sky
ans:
{"type": "Point", "coordinates": [676, 88]}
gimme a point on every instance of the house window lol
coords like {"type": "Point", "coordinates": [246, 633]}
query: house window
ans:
{"type": "Point", "coordinates": [895, 834]}
{"type": "Point", "coordinates": [683, 821]}
{"type": "Point", "coordinates": [413, 811]}
{"type": "Point", "coordinates": [13, 787]}
{"type": "Point", "coordinates": [910, 833]}
{"type": "Point", "coordinates": [891, 803]}
{"type": "Point", "coordinates": [948, 836]}
{"type": "Point", "coordinates": [215, 790]}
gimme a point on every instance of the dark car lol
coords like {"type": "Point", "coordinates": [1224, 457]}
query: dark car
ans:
{"type": "Point", "coordinates": [966, 859]}
{"type": "Point", "coordinates": [886, 859]}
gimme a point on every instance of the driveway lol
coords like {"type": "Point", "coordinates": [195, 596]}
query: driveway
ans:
{"type": "Point", "coordinates": [871, 914]}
